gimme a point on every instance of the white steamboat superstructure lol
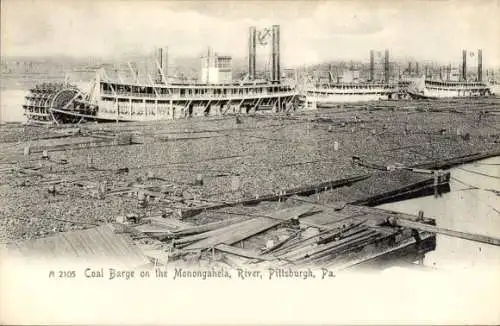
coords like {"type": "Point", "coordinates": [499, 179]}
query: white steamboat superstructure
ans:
{"type": "Point", "coordinates": [143, 102]}
{"type": "Point", "coordinates": [215, 94]}
{"type": "Point", "coordinates": [349, 88]}
{"type": "Point", "coordinates": [329, 94]}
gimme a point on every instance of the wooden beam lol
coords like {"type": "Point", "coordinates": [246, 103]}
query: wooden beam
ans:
{"type": "Point", "coordinates": [303, 191]}
{"type": "Point", "coordinates": [449, 162]}
{"type": "Point", "coordinates": [451, 233]}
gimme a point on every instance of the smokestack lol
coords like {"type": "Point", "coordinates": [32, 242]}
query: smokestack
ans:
{"type": "Point", "coordinates": [372, 65]}
{"type": "Point", "coordinates": [275, 70]}
{"type": "Point", "coordinates": [386, 66]}
{"type": "Point", "coordinates": [464, 65]}
{"type": "Point", "coordinates": [251, 53]}
{"type": "Point", "coordinates": [409, 68]}
{"type": "Point", "coordinates": [418, 69]}
{"type": "Point", "coordinates": [160, 63]}
{"type": "Point", "coordinates": [479, 65]}
{"type": "Point", "coordinates": [165, 64]}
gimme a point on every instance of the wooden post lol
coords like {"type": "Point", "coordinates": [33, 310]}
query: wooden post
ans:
{"type": "Point", "coordinates": [436, 183]}
{"type": "Point", "coordinates": [27, 150]}
{"type": "Point", "coordinates": [130, 108]}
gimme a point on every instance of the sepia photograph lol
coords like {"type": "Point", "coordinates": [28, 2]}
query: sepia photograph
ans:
{"type": "Point", "coordinates": [250, 162]}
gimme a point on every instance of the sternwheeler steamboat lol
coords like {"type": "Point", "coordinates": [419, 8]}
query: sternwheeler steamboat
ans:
{"type": "Point", "coordinates": [215, 94]}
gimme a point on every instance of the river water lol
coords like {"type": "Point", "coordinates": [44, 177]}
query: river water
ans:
{"type": "Point", "coordinates": [11, 101]}
{"type": "Point", "coordinates": [471, 205]}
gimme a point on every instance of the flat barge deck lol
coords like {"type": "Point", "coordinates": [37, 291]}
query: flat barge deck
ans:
{"type": "Point", "coordinates": [59, 179]}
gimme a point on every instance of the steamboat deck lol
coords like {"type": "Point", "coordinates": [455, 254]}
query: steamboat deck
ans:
{"type": "Point", "coordinates": [328, 94]}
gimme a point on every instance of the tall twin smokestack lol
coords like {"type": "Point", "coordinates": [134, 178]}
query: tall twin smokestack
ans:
{"type": "Point", "coordinates": [276, 69]}
{"type": "Point", "coordinates": [479, 65]}
{"type": "Point", "coordinates": [386, 66]}
{"type": "Point", "coordinates": [275, 53]}
{"type": "Point", "coordinates": [251, 52]}
{"type": "Point", "coordinates": [163, 65]}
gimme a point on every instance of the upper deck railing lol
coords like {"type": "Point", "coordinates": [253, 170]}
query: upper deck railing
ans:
{"type": "Point", "coordinates": [195, 90]}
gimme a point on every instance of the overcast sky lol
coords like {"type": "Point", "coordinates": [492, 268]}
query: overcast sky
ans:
{"type": "Point", "coordinates": [310, 31]}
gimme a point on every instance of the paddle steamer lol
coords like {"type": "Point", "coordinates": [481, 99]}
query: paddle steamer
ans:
{"type": "Point", "coordinates": [350, 88]}
{"type": "Point", "coordinates": [455, 86]}
{"type": "Point", "coordinates": [214, 94]}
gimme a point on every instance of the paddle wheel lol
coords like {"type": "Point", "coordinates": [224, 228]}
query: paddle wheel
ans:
{"type": "Point", "coordinates": [54, 103]}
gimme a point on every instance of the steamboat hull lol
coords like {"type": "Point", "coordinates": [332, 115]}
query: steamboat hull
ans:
{"type": "Point", "coordinates": [451, 90]}
{"type": "Point", "coordinates": [114, 101]}
{"type": "Point", "coordinates": [337, 98]}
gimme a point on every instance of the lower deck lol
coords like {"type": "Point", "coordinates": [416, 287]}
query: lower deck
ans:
{"type": "Point", "coordinates": [128, 109]}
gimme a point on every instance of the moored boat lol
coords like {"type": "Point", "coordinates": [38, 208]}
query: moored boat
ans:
{"type": "Point", "coordinates": [457, 84]}
{"type": "Point", "coordinates": [214, 94]}
{"type": "Point", "coordinates": [433, 89]}
{"type": "Point", "coordinates": [351, 88]}
{"type": "Point", "coordinates": [329, 94]}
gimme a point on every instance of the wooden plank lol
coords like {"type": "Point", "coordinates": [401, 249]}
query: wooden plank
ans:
{"type": "Point", "coordinates": [331, 237]}
{"type": "Point", "coordinates": [168, 222]}
{"type": "Point", "coordinates": [281, 243]}
{"type": "Point", "coordinates": [243, 252]}
{"type": "Point", "coordinates": [149, 228]}
{"type": "Point", "coordinates": [368, 242]}
{"type": "Point", "coordinates": [451, 233]}
{"type": "Point", "coordinates": [328, 247]}
{"type": "Point", "coordinates": [391, 254]}
{"type": "Point", "coordinates": [302, 243]}
{"type": "Point", "coordinates": [256, 226]}
{"type": "Point", "coordinates": [362, 239]}
{"type": "Point", "coordinates": [213, 233]}
{"type": "Point", "coordinates": [208, 227]}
